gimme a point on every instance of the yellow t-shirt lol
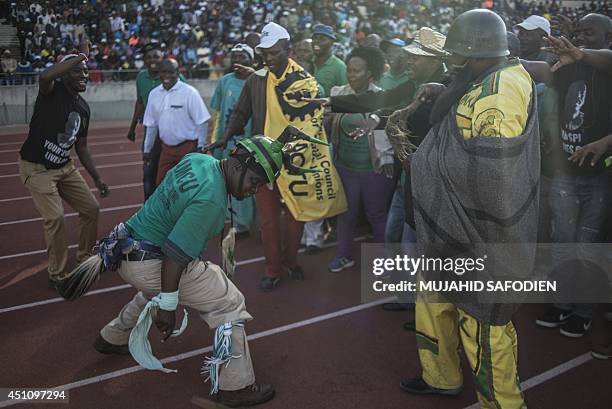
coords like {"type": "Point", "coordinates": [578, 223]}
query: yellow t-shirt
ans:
{"type": "Point", "coordinates": [498, 106]}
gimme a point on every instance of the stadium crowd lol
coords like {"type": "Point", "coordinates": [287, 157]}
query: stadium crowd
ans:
{"type": "Point", "coordinates": [200, 34]}
{"type": "Point", "coordinates": [379, 81]}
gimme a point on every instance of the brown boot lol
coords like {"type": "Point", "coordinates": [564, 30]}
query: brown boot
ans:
{"type": "Point", "coordinates": [249, 396]}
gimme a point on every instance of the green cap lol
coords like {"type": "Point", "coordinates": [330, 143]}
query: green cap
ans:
{"type": "Point", "coordinates": [272, 154]}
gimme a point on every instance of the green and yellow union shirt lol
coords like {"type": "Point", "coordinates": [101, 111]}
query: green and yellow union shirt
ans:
{"type": "Point", "coordinates": [498, 106]}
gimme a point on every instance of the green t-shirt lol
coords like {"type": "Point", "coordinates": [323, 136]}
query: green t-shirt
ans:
{"type": "Point", "coordinates": [352, 153]}
{"type": "Point", "coordinates": [145, 83]}
{"type": "Point", "coordinates": [186, 210]}
{"type": "Point", "coordinates": [224, 99]}
{"type": "Point", "coordinates": [389, 81]}
{"type": "Point", "coordinates": [332, 73]}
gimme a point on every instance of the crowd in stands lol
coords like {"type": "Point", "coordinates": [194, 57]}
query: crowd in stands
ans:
{"type": "Point", "coordinates": [199, 34]}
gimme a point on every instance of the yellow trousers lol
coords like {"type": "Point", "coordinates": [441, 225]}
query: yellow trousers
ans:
{"type": "Point", "coordinates": [491, 351]}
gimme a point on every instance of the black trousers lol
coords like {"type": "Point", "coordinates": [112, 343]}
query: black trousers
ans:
{"type": "Point", "coordinates": [149, 172]}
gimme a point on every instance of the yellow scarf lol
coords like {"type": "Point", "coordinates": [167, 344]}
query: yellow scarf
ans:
{"type": "Point", "coordinates": [313, 196]}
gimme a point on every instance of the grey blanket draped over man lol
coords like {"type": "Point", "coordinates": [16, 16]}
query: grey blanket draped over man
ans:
{"type": "Point", "coordinates": [472, 194]}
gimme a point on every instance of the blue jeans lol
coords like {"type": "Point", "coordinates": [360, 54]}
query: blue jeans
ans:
{"type": "Point", "coordinates": [397, 230]}
{"type": "Point", "coordinates": [578, 206]}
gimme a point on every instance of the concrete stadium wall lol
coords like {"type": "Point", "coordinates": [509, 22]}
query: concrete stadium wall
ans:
{"type": "Point", "coordinates": [108, 101]}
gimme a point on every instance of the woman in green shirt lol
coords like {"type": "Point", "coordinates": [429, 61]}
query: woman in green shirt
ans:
{"type": "Point", "coordinates": [363, 157]}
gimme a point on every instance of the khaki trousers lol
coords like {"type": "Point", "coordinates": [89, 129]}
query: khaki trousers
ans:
{"type": "Point", "coordinates": [48, 187]}
{"type": "Point", "coordinates": [203, 287]}
{"type": "Point", "coordinates": [491, 352]}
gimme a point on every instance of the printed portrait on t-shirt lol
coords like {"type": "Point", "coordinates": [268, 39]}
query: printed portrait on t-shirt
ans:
{"type": "Point", "coordinates": [573, 115]}
{"type": "Point", "coordinates": [69, 136]}
{"type": "Point", "coordinates": [572, 120]}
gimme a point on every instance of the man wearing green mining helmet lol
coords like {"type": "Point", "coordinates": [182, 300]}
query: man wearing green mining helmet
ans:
{"type": "Point", "coordinates": [172, 229]}
{"type": "Point", "coordinates": [271, 154]}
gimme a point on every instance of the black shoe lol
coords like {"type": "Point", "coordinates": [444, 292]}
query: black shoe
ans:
{"type": "Point", "coordinates": [409, 326]}
{"type": "Point", "coordinates": [105, 347]}
{"type": "Point", "coordinates": [601, 355]}
{"type": "Point", "coordinates": [242, 235]}
{"type": "Point", "coordinates": [419, 387]}
{"type": "Point", "coordinates": [575, 327]}
{"type": "Point", "coordinates": [312, 250]}
{"type": "Point", "coordinates": [53, 282]}
{"type": "Point", "coordinates": [554, 317]}
{"type": "Point", "coordinates": [268, 283]}
{"type": "Point", "coordinates": [249, 396]}
{"type": "Point", "coordinates": [295, 273]}
{"type": "Point", "coordinates": [398, 306]}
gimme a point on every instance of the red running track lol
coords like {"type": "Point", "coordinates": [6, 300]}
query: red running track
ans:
{"type": "Point", "coordinates": [312, 339]}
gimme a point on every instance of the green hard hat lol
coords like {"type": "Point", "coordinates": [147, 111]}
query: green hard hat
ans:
{"type": "Point", "coordinates": [267, 154]}
{"type": "Point", "coordinates": [270, 154]}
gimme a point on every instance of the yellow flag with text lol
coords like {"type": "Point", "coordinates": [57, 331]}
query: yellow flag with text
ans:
{"type": "Point", "coordinates": [312, 196]}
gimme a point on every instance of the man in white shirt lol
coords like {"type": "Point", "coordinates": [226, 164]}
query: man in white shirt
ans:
{"type": "Point", "coordinates": [177, 111]}
{"type": "Point", "coordinates": [117, 23]}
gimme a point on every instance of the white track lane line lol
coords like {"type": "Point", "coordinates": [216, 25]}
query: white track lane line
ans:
{"type": "Point", "coordinates": [93, 189]}
{"type": "Point", "coordinates": [550, 374]}
{"type": "Point", "coordinates": [119, 136]}
{"type": "Point", "coordinates": [39, 219]}
{"type": "Point", "coordinates": [121, 287]}
{"type": "Point", "coordinates": [99, 155]}
{"type": "Point", "coordinates": [31, 253]}
{"type": "Point", "coordinates": [59, 299]}
{"type": "Point", "coordinates": [99, 291]}
{"type": "Point", "coordinates": [110, 165]}
{"type": "Point", "coordinates": [89, 145]}
{"type": "Point", "coordinates": [528, 384]}
{"type": "Point", "coordinates": [198, 352]}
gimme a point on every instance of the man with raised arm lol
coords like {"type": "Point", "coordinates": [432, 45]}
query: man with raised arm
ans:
{"type": "Point", "coordinates": [61, 120]}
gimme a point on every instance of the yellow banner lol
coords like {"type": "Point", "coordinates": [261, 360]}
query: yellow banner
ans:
{"type": "Point", "coordinates": [313, 196]}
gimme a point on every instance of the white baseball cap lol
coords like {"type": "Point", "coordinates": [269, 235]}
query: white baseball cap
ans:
{"type": "Point", "coordinates": [271, 34]}
{"type": "Point", "coordinates": [534, 22]}
{"type": "Point", "coordinates": [243, 48]}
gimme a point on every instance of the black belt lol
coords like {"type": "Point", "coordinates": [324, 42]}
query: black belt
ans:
{"type": "Point", "coordinates": [141, 255]}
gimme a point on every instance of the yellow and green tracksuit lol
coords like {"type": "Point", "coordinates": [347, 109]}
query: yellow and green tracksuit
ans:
{"type": "Point", "coordinates": [491, 351]}
{"type": "Point", "coordinates": [496, 107]}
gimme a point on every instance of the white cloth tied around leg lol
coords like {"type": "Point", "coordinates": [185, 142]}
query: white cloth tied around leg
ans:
{"type": "Point", "coordinates": [139, 344]}
{"type": "Point", "coordinates": [167, 301]}
{"type": "Point", "coordinates": [221, 354]}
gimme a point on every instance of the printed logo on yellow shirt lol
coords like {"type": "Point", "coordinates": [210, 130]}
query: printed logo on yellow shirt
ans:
{"type": "Point", "coordinates": [498, 106]}
{"type": "Point", "coordinates": [488, 122]}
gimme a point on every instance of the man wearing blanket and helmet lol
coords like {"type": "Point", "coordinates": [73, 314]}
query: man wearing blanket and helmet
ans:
{"type": "Point", "coordinates": [163, 242]}
{"type": "Point", "coordinates": [481, 164]}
